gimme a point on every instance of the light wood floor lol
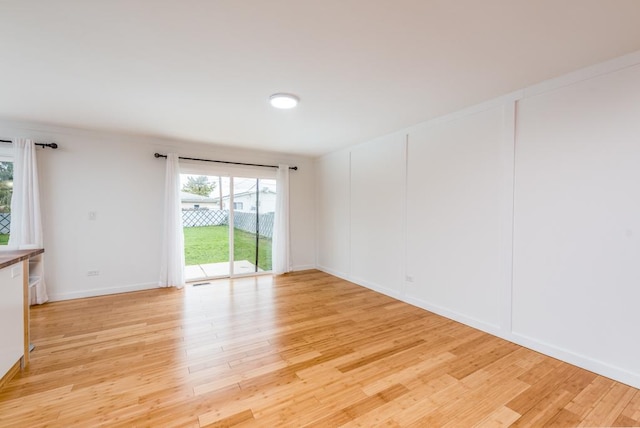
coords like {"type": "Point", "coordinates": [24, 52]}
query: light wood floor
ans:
{"type": "Point", "coordinates": [304, 349]}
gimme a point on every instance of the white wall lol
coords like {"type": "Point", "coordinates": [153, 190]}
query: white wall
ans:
{"type": "Point", "coordinates": [376, 215]}
{"type": "Point", "coordinates": [455, 220]}
{"type": "Point", "coordinates": [117, 177]}
{"type": "Point", "coordinates": [333, 203]}
{"type": "Point", "coordinates": [577, 220]}
{"type": "Point", "coordinates": [519, 216]}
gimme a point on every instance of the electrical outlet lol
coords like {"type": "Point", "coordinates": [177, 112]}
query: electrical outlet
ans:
{"type": "Point", "coordinates": [409, 278]}
{"type": "Point", "coordinates": [93, 215]}
{"type": "Point", "coordinates": [93, 273]}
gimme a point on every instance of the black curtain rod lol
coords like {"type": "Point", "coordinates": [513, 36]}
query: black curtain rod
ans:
{"type": "Point", "coordinates": [158, 155]}
{"type": "Point", "coordinates": [52, 145]}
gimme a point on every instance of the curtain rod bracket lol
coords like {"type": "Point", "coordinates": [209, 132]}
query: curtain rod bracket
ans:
{"type": "Point", "coordinates": [43, 145]}
{"type": "Point", "coordinates": [51, 145]}
{"type": "Point", "coordinates": [159, 155]}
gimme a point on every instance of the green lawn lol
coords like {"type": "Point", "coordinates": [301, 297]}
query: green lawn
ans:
{"type": "Point", "coordinates": [210, 244]}
{"type": "Point", "coordinates": [4, 239]}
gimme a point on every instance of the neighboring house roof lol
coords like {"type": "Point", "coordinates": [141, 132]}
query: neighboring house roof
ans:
{"type": "Point", "coordinates": [242, 188]}
{"type": "Point", "coordinates": [192, 197]}
{"type": "Point", "coordinates": [225, 194]}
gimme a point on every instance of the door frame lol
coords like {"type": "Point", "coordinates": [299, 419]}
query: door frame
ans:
{"type": "Point", "coordinates": [230, 171]}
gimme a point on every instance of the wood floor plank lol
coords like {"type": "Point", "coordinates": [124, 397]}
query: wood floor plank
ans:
{"type": "Point", "coordinates": [501, 417]}
{"type": "Point", "coordinates": [632, 411]}
{"type": "Point", "coordinates": [544, 410]}
{"type": "Point", "coordinates": [590, 396]}
{"type": "Point", "coordinates": [610, 407]}
{"type": "Point", "coordinates": [303, 349]}
{"type": "Point", "coordinates": [539, 390]}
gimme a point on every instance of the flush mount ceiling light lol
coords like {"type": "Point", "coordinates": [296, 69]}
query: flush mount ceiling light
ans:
{"type": "Point", "coordinates": [284, 100]}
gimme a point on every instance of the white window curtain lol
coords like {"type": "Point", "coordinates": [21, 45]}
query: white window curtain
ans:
{"type": "Point", "coordinates": [26, 222]}
{"type": "Point", "coordinates": [172, 263]}
{"type": "Point", "coordinates": [281, 256]}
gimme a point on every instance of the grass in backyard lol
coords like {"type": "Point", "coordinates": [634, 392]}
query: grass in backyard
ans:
{"type": "Point", "coordinates": [4, 239]}
{"type": "Point", "coordinates": [245, 249]}
{"type": "Point", "coordinates": [210, 244]}
{"type": "Point", "coordinates": [207, 244]}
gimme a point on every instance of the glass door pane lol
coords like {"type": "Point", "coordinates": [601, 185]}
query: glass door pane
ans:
{"type": "Point", "coordinates": [253, 215]}
{"type": "Point", "coordinates": [205, 221]}
{"type": "Point", "coordinates": [245, 250]}
{"type": "Point", "coordinates": [267, 211]}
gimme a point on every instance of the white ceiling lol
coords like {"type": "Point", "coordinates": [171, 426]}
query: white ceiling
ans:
{"type": "Point", "coordinates": [203, 70]}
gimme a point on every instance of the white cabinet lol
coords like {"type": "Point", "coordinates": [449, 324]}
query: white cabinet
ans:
{"type": "Point", "coordinates": [15, 282]}
{"type": "Point", "coordinates": [11, 316]}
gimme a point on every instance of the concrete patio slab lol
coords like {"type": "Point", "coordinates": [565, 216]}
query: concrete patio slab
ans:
{"type": "Point", "coordinates": [214, 270]}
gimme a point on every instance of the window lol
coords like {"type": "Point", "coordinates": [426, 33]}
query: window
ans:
{"type": "Point", "coordinates": [238, 206]}
{"type": "Point", "coordinates": [6, 190]}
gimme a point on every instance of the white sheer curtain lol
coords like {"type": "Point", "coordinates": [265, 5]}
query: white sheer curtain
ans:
{"type": "Point", "coordinates": [172, 263]}
{"type": "Point", "coordinates": [281, 256]}
{"type": "Point", "coordinates": [26, 223]}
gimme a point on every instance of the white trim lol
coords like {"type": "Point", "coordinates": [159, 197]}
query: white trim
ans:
{"type": "Point", "coordinates": [333, 272]}
{"type": "Point", "coordinates": [577, 76]}
{"type": "Point", "coordinates": [55, 297]}
{"type": "Point", "coordinates": [231, 236]}
{"type": "Point", "coordinates": [493, 329]}
{"type": "Point", "coordinates": [404, 213]}
{"type": "Point", "coordinates": [475, 109]}
{"type": "Point", "coordinates": [377, 287]}
{"type": "Point", "coordinates": [349, 214]}
{"type": "Point", "coordinates": [591, 364]}
{"type": "Point", "coordinates": [507, 221]}
{"type": "Point", "coordinates": [299, 268]}
{"type": "Point", "coordinates": [574, 358]}
{"type": "Point", "coordinates": [456, 316]}
{"type": "Point", "coordinates": [583, 74]}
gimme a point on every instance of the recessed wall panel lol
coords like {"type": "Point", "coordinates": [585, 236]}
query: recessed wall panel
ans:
{"type": "Point", "coordinates": [333, 213]}
{"type": "Point", "coordinates": [455, 216]}
{"type": "Point", "coordinates": [377, 186]}
{"type": "Point", "coordinates": [577, 219]}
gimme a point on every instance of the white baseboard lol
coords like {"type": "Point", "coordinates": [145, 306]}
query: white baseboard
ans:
{"type": "Point", "coordinates": [378, 288]}
{"type": "Point", "coordinates": [587, 363]}
{"type": "Point", "coordinates": [341, 275]}
{"type": "Point", "coordinates": [492, 329]}
{"type": "Point", "coordinates": [55, 297]}
{"type": "Point", "coordinates": [302, 267]}
{"type": "Point", "coordinates": [579, 360]}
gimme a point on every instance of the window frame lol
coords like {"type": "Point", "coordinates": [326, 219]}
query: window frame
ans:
{"type": "Point", "coordinates": [6, 155]}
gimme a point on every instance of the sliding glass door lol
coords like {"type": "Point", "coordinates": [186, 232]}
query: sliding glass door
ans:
{"type": "Point", "coordinates": [253, 215]}
{"type": "Point", "coordinates": [228, 225]}
{"type": "Point", "coordinates": [205, 224]}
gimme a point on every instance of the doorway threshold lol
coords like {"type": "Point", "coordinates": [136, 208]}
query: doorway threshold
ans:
{"type": "Point", "coordinates": [218, 270]}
